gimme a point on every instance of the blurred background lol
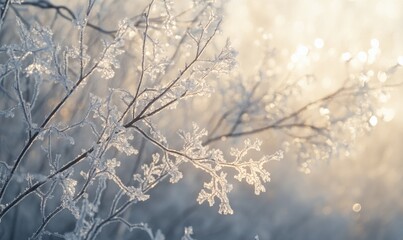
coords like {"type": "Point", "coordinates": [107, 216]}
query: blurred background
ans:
{"type": "Point", "coordinates": [354, 197]}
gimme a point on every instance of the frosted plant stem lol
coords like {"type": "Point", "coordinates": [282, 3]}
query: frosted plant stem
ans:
{"type": "Point", "coordinates": [46, 121]}
{"type": "Point", "coordinates": [4, 10]}
{"type": "Point", "coordinates": [41, 183]}
{"type": "Point", "coordinates": [277, 124]}
{"type": "Point", "coordinates": [36, 134]}
{"type": "Point", "coordinates": [143, 56]}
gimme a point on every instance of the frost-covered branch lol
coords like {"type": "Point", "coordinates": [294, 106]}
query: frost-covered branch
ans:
{"type": "Point", "coordinates": [98, 126]}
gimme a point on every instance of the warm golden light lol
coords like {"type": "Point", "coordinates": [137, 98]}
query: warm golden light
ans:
{"type": "Point", "coordinates": [356, 207]}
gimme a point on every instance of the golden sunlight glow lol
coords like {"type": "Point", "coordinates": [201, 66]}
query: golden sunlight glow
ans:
{"type": "Point", "coordinates": [335, 40]}
{"type": "Point", "coordinates": [356, 207]}
{"type": "Point", "coordinates": [382, 76]}
{"type": "Point", "coordinates": [400, 60]}
{"type": "Point", "coordinates": [362, 56]}
{"type": "Point", "coordinates": [387, 114]}
{"type": "Point", "coordinates": [374, 43]}
{"type": "Point", "coordinates": [373, 121]}
{"type": "Point", "coordinates": [319, 43]}
{"type": "Point", "coordinates": [300, 53]}
{"type": "Point", "coordinates": [346, 56]}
